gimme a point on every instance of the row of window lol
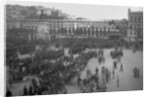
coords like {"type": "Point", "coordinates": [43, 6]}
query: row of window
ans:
{"type": "Point", "coordinates": [85, 34]}
{"type": "Point", "coordinates": [133, 33]}
{"type": "Point", "coordinates": [56, 28]}
{"type": "Point", "coordinates": [137, 26]}
{"type": "Point", "coordinates": [136, 19]}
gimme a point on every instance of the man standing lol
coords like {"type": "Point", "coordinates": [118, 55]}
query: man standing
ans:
{"type": "Point", "coordinates": [121, 68]}
{"type": "Point", "coordinates": [96, 71]}
{"type": "Point", "coordinates": [30, 90]}
{"type": "Point", "coordinates": [79, 80]}
{"type": "Point", "coordinates": [115, 65]}
{"type": "Point", "coordinates": [117, 81]}
{"type": "Point", "coordinates": [113, 72]}
{"type": "Point", "coordinates": [25, 91]}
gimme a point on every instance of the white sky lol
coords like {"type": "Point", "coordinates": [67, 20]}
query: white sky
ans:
{"type": "Point", "coordinates": [92, 12]}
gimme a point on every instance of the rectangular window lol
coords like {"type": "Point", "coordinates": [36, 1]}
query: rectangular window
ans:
{"type": "Point", "coordinates": [135, 19]}
{"type": "Point", "coordinates": [130, 33]}
{"type": "Point", "coordinates": [139, 19]}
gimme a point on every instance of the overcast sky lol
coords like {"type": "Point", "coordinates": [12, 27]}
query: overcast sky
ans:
{"type": "Point", "coordinates": [92, 12]}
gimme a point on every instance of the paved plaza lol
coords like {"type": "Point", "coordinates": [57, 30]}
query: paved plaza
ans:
{"type": "Point", "coordinates": [127, 81]}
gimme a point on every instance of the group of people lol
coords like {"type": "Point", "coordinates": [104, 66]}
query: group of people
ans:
{"type": "Point", "coordinates": [136, 72]}
{"type": "Point", "coordinates": [41, 88]}
{"type": "Point", "coordinates": [54, 76]}
{"type": "Point", "coordinates": [91, 83]}
{"type": "Point", "coordinates": [106, 74]}
{"type": "Point", "coordinates": [117, 53]}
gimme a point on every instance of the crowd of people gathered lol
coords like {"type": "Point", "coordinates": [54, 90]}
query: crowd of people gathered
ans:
{"type": "Point", "coordinates": [52, 76]}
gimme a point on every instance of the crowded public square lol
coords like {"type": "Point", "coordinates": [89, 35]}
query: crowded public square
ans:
{"type": "Point", "coordinates": [49, 52]}
{"type": "Point", "coordinates": [93, 70]}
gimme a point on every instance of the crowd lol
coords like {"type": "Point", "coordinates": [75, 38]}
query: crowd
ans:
{"type": "Point", "coordinates": [51, 77]}
{"type": "Point", "coordinates": [92, 83]}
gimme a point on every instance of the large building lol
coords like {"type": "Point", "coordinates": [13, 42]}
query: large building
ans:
{"type": "Point", "coordinates": [66, 28]}
{"type": "Point", "coordinates": [46, 26]}
{"type": "Point", "coordinates": [135, 26]}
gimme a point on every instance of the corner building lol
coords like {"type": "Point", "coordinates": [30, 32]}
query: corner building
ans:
{"type": "Point", "coordinates": [135, 25]}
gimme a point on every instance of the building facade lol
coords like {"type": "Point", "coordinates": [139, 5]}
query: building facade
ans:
{"type": "Point", "coordinates": [66, 28]}
{"type": "Point", "coordinates": [135, 26]}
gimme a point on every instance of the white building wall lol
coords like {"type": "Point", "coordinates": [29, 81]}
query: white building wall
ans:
{"type": "Point", "coordinates": [131, 35]}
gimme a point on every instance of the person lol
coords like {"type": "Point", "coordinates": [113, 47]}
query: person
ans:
{"type": "Point", "coordinates": [100, 59]}
{"type": "Point", "coordinates": [103, 70]}
{"type": "Point", "coordinates": [138, 73]}
{"type": "Point", "coordinates": [134, 50]}
{"type": "Point", "coordinates": [113, 72]}
{"type": "Point", "coordinates": [25, 91]}
{"type": "Point", "coordinates": [121, 68]}
{"type": "Point", "coordinates": [115, 65]}
{"type": "Point", "coordinates": [117, 81]}
{"type": "Point", "coordinates": [79, 80]}
{"type": "Point", "coordinates": [8, 93]}
{"type": "Point", "coordinates": [109, 74]}
{"type": "Point", "coordinates": [88, 73]}
{"type": "Point", "coordinates": [30, 90]}
{"type": "Point", "coordinates": [135, 72]}
{"type": "Point", "coordinates": [96, 71]}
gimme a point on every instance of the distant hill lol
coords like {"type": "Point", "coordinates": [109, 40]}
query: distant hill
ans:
{"type": "Point", "coordinates": [23, 12]}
